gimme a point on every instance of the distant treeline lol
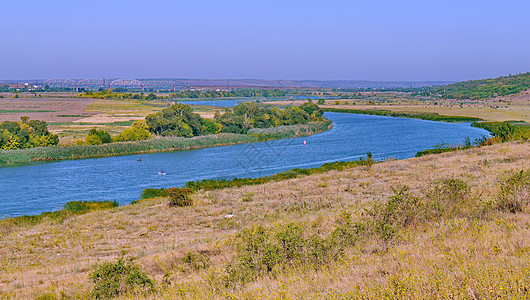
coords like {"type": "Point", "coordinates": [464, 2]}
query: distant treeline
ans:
{"type": "Point", "coordinates": [192, 94]}
{"type": "Point", "coordinates": [483, 88]}
{"type": "Point", "coordinates": [422, 116]}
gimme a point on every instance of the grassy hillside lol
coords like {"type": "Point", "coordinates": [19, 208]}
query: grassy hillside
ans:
{"type": "Point", "coordinates": [459, 230]}
{"type": "Point", "coordinates": [484, 88]}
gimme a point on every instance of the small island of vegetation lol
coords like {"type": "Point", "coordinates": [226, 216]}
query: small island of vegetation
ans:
{"type": "Point", "coordinates": [178, 128]}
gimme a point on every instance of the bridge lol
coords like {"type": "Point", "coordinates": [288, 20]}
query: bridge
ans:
{"type": "Point", "coordinates": [129, 83]}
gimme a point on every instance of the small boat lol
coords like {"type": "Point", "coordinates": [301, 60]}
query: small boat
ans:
{"type": "Point", "coordinates": [305, 143]}
{"type": "Point", "coordinates": [139, 159]}
{"type": "Point", "coordinates": [162, 173]}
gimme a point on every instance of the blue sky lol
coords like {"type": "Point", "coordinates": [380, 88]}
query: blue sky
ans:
{"type": "Point", "coordinates": [325, 40]}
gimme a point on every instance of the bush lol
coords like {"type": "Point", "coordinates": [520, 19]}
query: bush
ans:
{"type": "Point", "coordinates": [92, 139]}
{"type": "Point", "coordinates": [79, 207]}
{"type": "Point", "coordinates": [401, 210]}
{"type": "Point", "coordinates": [138, 131]}
{"type": "Point", "coordinates": [262, 251]}
{"type": "Point", "coordinates": [449, 198]}
{"type": "Point", "coordinates": [115, 279]}
{"type": "Point", "coordinates": [196, 261]}
{"type": "Point", "coordinates": [180, 196]}
{"type": "Point", "coordinates": [153, 193]}
{"type": "Point", "coordinates": [514, 195]}
{"type": "Point", "coordinates": [98, 137]}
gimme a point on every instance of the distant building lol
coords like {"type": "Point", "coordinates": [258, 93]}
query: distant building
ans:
{"type": "Point", "coordinates": [13, 85]}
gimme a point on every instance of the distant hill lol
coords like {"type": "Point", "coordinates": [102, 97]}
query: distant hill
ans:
{"type": "Point", "coordinates": [484, 88]}
{"type": "Point", "coordinates": [331, 84]}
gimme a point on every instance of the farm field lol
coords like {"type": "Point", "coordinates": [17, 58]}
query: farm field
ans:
{"type": "Point", "coordinates": [71, 118]}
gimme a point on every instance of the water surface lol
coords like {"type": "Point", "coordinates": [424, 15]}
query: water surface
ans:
{"type": "Point", "coordinates": [36, 188]}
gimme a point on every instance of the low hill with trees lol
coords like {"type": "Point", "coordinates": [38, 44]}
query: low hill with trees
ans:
{"type": "Point", "coordinates": [483, 88]}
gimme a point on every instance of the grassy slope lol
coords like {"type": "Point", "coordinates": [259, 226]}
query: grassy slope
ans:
{"type": "Point", "coordinates": [455, 257]}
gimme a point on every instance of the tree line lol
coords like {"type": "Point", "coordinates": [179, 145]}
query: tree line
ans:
{"type": "Point", "coordinates": [191, 94]}
{"type": "Point", "coordinates": [180, 120]}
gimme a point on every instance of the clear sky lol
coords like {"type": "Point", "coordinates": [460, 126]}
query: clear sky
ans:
{"type": "Point", "coordinates": [273, 39]}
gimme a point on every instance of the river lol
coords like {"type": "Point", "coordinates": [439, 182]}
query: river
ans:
{"type": "Point", "coordinates": [39, 187]}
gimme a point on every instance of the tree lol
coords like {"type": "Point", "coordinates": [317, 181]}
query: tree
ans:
{"type": "Point", "coordinates": [103, 135]}
{"type": "Point", "coordinates": [309, 108]}
{"type": "Point", "coordinates": [93, 139]}
{"type": "Point", "coordinates": [138, 131]}
{"type": "Point", "coordinates": [176, 120]}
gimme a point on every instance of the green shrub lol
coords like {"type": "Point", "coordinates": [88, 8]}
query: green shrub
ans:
{"type": "Point", "coordinates": [79, 207]}
{"type": "Point", "coordinates": [514, 195]}
{"type": "Point", "coordinates": [115, 279]}
{"type": "Point", "coordinates": [506, 131]}
{"type": "Point", "coordinates": [449, 198]}
{"type": "Point", "coordinates": [179, 196]}
{"type": "Point", "coordinates": [347, 231]}
{"type": "Point", "coordinates": [153, 193]}
{"type": "Point", "coordinates": [138, 131]}
{"type": "Point", "coordinates": [98, 137]}
{"type": "Point", "coordinates": [196, 261]}
{"type": "Point", "coordinates": [262, 251]}
{"type": "Point", "coordinates": [401, 210]}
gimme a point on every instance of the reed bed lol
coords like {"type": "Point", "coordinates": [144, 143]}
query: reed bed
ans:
{"type": "Point", "coordinates": [158, 144]}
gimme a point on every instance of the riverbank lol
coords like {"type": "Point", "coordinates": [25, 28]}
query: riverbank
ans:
{"type": "Point", "coordinates": [158, 144]}
{"type": "Point", "coordinates": [411, 115]}
{"type": "Point", "coordinates": [475, 251]}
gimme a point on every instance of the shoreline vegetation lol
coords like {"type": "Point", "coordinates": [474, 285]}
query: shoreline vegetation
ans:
{"type": "Point", "coordinates": [421, 116]}
{"type": "Point", "coordinates": [500, 131]}
{"type": "Point", "coordinates": [178, 127]}
{"type": "Point", "coordinates": [158, 144]}
{"type": "Point", "coordinates": [80, 207]}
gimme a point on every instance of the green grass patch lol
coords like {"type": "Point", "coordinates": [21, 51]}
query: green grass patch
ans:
{"type": "Point", "coordinates": [70, 209]}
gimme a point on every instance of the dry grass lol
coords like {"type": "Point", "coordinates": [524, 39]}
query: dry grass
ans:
{"type": "Point", "coordinates": [452, 258]}
{"type": "Point", "coordinates": [505, 108]}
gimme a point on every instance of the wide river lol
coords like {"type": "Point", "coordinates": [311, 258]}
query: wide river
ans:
{"type": "Point", "coordinates": [35, 188]}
